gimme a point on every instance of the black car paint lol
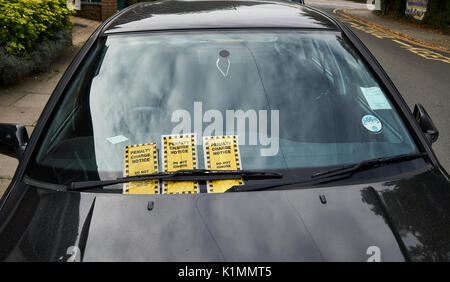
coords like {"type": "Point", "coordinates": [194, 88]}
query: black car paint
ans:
{"type": "Point", "coordinates": [188, 15]}
{"type": "Point", "coordinates": [406, 217]}
{"type": "Point", "coordinates": [288, 225]}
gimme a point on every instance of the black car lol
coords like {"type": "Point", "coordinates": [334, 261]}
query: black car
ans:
{"type": "Point", "coordinates": [225, 131]}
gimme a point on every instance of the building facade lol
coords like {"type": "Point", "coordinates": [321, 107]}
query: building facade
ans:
{"type": "Point", "coordinates": [100, 10]}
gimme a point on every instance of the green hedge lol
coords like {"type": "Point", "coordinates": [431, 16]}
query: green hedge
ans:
{"type": "Point", "coordinates": [394, 8]}
{"type": "Point", "coordinates": [437, 15]}
{"type": "Point", "coordinates": [32, 34]}
{"type": "Point", "coordinates": [25, 23]}
{"type": "Point", "coordinates": [13, 68]}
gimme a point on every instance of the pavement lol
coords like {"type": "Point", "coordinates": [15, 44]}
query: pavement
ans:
{"type": "Point", "coordinates": [23, 102]}
{"type": "Point", "coordinates": [416, 60]}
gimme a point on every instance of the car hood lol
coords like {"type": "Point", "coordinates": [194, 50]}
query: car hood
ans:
{"type": "Point", "coordinates": [342, 223]}
{"type": "Point", "coordinates": [261, 226]}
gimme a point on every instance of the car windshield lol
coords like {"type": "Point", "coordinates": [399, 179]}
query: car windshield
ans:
{"type": "Point", "coordinates": [294, 100]}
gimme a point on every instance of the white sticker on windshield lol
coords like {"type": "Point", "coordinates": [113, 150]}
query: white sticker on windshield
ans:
{"type": "Point", "coordinates": [375, 98]}
{"type": "Point", "coordinates": [117, 139]}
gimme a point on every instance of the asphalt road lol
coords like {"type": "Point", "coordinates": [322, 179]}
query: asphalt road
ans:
{"type": "Point", "coordinates": [418, 79]}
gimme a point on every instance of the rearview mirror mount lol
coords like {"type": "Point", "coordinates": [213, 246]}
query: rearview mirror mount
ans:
{"type": "Point", "coordinates": [13, 139]}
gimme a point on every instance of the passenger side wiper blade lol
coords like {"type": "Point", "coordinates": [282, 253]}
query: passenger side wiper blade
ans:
{"type": "Point", "coordinates": [329, 175]}
{"type": "Point", "coordinates": [180, 175]}
{"type": "Point", "coordinates": [366, 164]}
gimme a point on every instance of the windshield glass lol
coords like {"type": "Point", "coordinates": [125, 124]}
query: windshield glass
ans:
{"type": "Point", "coordinates": [294, 100]}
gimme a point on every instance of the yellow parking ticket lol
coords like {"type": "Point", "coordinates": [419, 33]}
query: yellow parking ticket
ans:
{"type": "Point", "coordinates": [141, 159]}
{"type": "Point", "coordinates": [221, 153]}
{"type": "Point", "coordinates": [179, 153]}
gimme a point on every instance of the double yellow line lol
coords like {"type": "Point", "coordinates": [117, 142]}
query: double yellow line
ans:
{"type": "Point", "coordinates": [400, 38]}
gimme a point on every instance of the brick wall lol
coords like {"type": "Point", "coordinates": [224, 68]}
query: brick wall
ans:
{"type": "Point", "coordinates": [92, 11]}
{"type": "Point", "coordinates": [109, 7]}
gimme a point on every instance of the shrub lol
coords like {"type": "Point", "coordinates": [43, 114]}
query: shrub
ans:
{"type": "Point", "coordinates": [394, 8]}
{"type": "Point", "coordinates": [32, 34]}
{"type": "Point", "coordinates": [12, 67]}
{"type": "Point", "coordinates": [438, 15]}
{"type": "Point", "coordinates": [25, 23]}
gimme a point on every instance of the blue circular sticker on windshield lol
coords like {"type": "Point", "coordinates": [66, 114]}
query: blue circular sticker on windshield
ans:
{"type": "Point", "coordinates": [372, 123]}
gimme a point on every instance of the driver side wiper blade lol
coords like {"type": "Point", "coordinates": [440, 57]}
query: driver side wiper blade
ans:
{"type": "Point", "coordinates": [329, 175]}
{"type": "Point", "coordinates": [180, 175]}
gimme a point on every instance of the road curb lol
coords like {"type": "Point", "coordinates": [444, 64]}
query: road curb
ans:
{"type": "Point", "coordinates": [341, 11]}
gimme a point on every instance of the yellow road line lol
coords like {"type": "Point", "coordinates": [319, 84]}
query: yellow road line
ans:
{"type": "Point", "coordinates": [341, 11]}
{"type": "Point", "coordinates": [382, 32]}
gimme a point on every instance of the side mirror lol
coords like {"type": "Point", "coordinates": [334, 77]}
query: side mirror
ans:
{"type": "Point", "coordinates": [425, 123]}
{"type": "Point", "coordinates": [13, 139]}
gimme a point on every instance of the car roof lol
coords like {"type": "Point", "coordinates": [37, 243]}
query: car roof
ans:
{"type": "Point", "coordinates": [207, 14]}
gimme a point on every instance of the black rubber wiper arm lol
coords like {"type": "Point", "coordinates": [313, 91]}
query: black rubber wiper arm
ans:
{"type": "Point", "coordinates": [368, 163]}
{"type": "Point", "coordinates": [180, 175]}
{"type": "Point", "coordinates": [329, 175]}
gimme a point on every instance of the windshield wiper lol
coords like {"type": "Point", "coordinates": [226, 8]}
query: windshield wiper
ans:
{"type": "Point", "coordinates": [367, 164]}
{"type": "Point", "coordinates": [339, 173]}
{"type": "Point", "coordinates": [179, 175]}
